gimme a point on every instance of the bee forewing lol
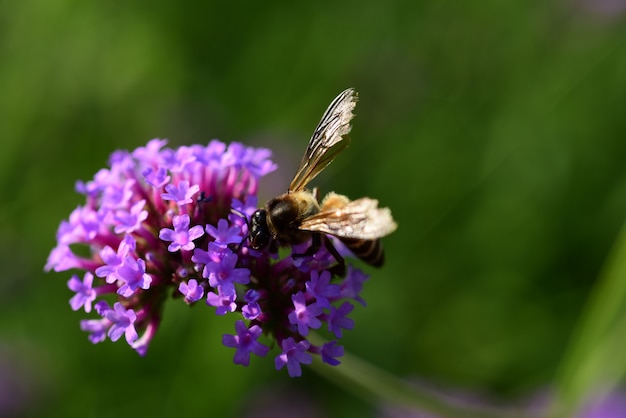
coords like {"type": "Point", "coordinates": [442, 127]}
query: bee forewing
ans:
{"type": "Point", "coordinates": [359, 219]}
{"type": "Point", "coordinates": [328, 139]}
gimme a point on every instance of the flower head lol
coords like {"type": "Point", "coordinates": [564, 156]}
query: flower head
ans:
{"type": "Point", "coordinates": [160, 222]}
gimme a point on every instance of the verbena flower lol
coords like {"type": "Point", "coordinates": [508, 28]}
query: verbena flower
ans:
{"type": "Point", "coordinates": [160, 222]}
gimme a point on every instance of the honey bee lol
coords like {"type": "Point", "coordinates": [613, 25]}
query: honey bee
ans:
{"type": "Point", "coordinates": [297, 216]}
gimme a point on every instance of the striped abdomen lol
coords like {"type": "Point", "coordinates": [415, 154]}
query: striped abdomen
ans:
{"type": "Point", "coordinates": [367, 250]}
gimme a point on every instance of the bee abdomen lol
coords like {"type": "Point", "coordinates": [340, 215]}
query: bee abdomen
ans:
{"type": "Point", "coordinates": [369, 251]}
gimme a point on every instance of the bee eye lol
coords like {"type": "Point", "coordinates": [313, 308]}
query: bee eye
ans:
{"type": "Point", "coordinates": [258, 218]}
{"type": "Point", "coordinates": [258, 239]}
{"type": "Point", "coordinates": [259, 235]}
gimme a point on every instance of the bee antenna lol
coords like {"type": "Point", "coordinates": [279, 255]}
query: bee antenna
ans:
{"type": "Point", "coordinates": [245, 218]}
{"type": "Point", "coordinates": [241, 215]}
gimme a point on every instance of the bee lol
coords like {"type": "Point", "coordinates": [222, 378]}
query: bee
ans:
{"type": "Point", "coordinates": [297, 216]}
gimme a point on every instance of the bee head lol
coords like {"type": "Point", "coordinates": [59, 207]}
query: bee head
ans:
{"type": "Point", "coordinates": [258, 231]}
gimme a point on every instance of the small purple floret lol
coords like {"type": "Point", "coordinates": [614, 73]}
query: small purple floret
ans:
{"type": "Point", "coordinates": [292, 356]}
{"type": "Point", "coordinates": [223, 274]}
{"type": "Point", "coordinates": [338, 320]}
{"type": "Point", "coordinates": [97, 329]}
{"type": "Point", "coordinates": [123, 321]}
{"type": "Point", "coordinates": [181, 236]}
{"type": "Point", "coordinates": [133, 274]}
{"type": "Point", "coordinates": [353, 284]}
{"type": "Point", "coordinates": [130, 221]}
{"type": "Point", "coordinates": [182, 193]}
{"type": "Point", "coordinates": [304, 316]}
{"type": "Point", "coordinates": [156, 178]}
{"type": "Point", "coordinates": [223, 303]}
{"type": "Point", "coordinates": [191, 290]}
{"type": "Point", "coordinates": [320, 288]}
{"type": "Point", "coordinates": [224, 234]}
{"type": "Point", "coordinates": [85, 294]}
{"type": "Point", "coordinates": [113, 260]}
{"type": "Point", "coordinates": [252, 309]}
{"type": "Point", "coordinates": [245, 341]}
{"type": "Point", "coordinates": [330, 352]}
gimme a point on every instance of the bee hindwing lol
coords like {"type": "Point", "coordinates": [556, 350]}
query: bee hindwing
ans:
{"type": "Point", "coordinates": [358, 219]}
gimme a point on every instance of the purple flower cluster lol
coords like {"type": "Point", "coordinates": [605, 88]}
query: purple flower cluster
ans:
{"type": "Point", "coordinates": [163, 221]}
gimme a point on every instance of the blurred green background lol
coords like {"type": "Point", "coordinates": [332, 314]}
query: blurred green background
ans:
{"type": "Point", "coordinates": [494, 130]}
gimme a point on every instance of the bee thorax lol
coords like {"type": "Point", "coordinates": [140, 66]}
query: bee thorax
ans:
{"type": "Point", "coordinates": [285, 213]}
{"type": "Point", "coordinates": [334, 201]}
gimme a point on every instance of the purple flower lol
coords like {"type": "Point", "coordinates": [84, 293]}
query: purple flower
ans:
{"type": "Point", "coordinates": [84, 223]}
{"type": "Point", "coordinates": [252, 309]}
{"type": "Point", "coordinates": [130, 221]}
{"type": "Point", "coordinates": [123, 321]}
{"type": "Point", "coordinates": [164, 224]}
{"type": "Point", "coordinates": [246, 208]}
{"type": "Point", "coordinates": [293, 355]}
{"type": "Point", "coordinates": [353, 284]}
{"type": "Point", "coordinates": [191, 290]}
{"type": "Point", "coordinates": [182, 194]}
{"type": "Point", "coordinates": [97, 329]}
{"type": "Point", "coordinates": [151, 152]}
{"type": "Point", "coordinates": [117, 195]}
{"type": "Point", "coordinates": [91, 188]}
{"type": "Point", "coordinates": [330, 352]}
{"type": "Point", "coordinates": [258, 161]}
{"type": "Point", "coordinates": [224, 234]}
{"type": "Point", "coordinates": [252, 295]}
{"type": "Point", "coordinates": [245, 342]}
{"type": "Point", "coordinates": [213, 255]}
{"type": "Point", "coordinates": [223, 274]}
{"type": "Point", "coordinates": [85, 294]}
{"type": "Point", "coordinates": [304, 316]}
{"type": "Point", "coordinates": [140, 345]}
{"type": "Point", "coordinates": [156, 178]}
{"type": "Point", "coordinates": [224, 303]}
{"type": "Point", "coordinates": [113, 260]}
{"type": "Point", "coordinates": [337, 319]}
{"type": "Point", "coordinates": [62, 258]}
{"type": "Point", "coordinates": [320, 288]}
{"type": "Point", "coordinates": [133, 274]}
{"type": "Point", "coordinates": [181, 236]}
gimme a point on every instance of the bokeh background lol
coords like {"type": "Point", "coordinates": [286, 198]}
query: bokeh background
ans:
{"type": "Point", "coordinates": [494, 130]}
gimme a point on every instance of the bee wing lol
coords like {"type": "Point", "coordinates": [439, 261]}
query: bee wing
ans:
{"type": "Point", "coordinates": [329, 139]}
{"type": "Point", "coordinates": [358, 219]}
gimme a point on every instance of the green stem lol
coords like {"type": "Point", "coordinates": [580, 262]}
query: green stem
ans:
{"type": "Point", "coordinates": [588, 360]}
{"type": "Point", "coordinates": [379, 387]}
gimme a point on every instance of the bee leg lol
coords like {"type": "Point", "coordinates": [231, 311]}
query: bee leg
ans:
{"type": "Point", "coordinates": [235, 212]}
{"type": "Point", "coordinates": [273, 247]}
{"type": "Point", "coordinates": [316, 243]}
{"type": "Point", "coordinates": [338, 269]}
